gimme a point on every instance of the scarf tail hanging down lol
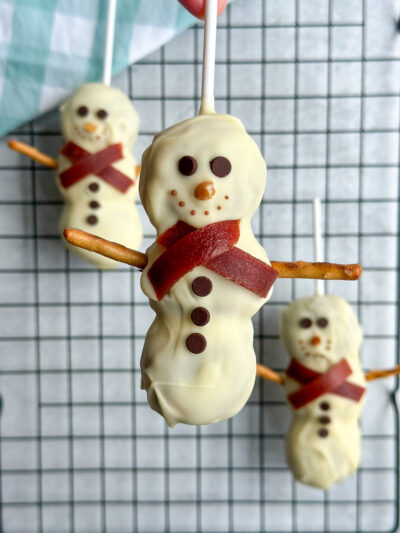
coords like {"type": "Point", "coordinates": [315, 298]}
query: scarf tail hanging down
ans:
{"type": "Point", "coordinates": [211, 246]}
{"type": "Point", "coordinates": [99, 163]}
{"type": "Point", "coordinates": [316, 384]}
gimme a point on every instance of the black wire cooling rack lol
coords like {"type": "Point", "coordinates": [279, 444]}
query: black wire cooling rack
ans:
{"type": "Point", "coordinates": [316, 83]}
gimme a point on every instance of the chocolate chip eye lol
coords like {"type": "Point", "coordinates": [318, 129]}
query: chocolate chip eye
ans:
{"type": "Point", "coordinates": [187, 165]}
{"type": "Point", "coordinates": [220, 166]}
{"type": "Point", "coordinates": [82, 111]}
{"type": "Point", "coordinates": [102, 114]}
{"type": "Point", "coordinates": [305, 323]}
{"type": "Point", "coordinates": [322, 322]}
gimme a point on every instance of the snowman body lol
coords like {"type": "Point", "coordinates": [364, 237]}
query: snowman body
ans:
{"type": "Point", "coordinates": [323, 441]}
{"type": "Point", "coordinates": [198, 362]}
{"type": "Point", "coordinates": [97, 117]}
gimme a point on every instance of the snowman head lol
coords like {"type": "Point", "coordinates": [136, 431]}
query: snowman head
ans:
{"type": "Point", "coordinates": [97, 115]}
{"type": "Point", "coordinates": [320, 331]}
{"type": "Point", "coordinates": [203, 170]}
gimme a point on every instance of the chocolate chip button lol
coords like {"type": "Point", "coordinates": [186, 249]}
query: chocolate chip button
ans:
{"type": "Point", "coordinates": [94, 187]}
{"type": "Point", "coordinates": [94, 205]}
{"type": "Point", "coordinates": [324, 420]}
{"type": "Point", "coordinates": [196, 343]}
{"type": "Point", "coordinates": [91, 219]}
{"type": "Point", "coordinates": [323, 432]}
{"type": "Point", "coordinates": [200, 316]}
{"type": "Point", "coordinates": [202, 286]}
{"type": "Point", "coordinates": [324, 406]}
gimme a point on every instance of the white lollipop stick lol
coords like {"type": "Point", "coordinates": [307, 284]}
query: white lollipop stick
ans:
{"type": "Point", "coordinates": [109, 42]}
{"type": "Point", "coordinates": [210, 36]}
{"type": "Point", "coordinates": [319, 284]}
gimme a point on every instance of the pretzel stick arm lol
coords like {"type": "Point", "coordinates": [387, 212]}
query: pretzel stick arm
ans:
{"type": "Point", "coordinates": [33, 153]}
{"type": "Point", "coordinates": [378, 374]}
{"type": "Point", "coordinates": [326, 271]}
{"type": "Point", "coordinates": [107, 248]}
{"type": "Point", "coordinates": [139, 260]}
{"type": "Point", "coordinates": [270, 375]}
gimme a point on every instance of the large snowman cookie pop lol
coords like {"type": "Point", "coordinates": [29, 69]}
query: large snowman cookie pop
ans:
{"type": "Point", "coordinates": [206, 274]}
{"type": "Point", "coordinates": [96, 171]}
{"type": "Point", "coordinates": [202, 180]}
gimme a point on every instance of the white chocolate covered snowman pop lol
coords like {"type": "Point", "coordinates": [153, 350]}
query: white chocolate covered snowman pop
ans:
{"type": "Point", "coordinates": [325, 388]}
{"type": "Point", "coordinates": [96, 172]}
{"type": "Point", "coordinates": [206, 274]}
{"type": "Point", "coordinates": [324, 385]}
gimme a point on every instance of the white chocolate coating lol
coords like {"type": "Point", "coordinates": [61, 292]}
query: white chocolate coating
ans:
{"type": "Point", "coordinates": [117, 216]}
{"type": "Point", "coordinates": [315, 460]}
{"type": "Point", "coordinates": [215, 384]}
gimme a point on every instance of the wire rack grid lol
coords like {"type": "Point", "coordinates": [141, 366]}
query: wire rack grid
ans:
{"type": "Point", "coordinates": [316, 84]}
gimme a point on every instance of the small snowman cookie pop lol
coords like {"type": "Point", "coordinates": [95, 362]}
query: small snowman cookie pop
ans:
{"type": "Point", "coordinates": [206, 275]}
{"type": "Point", "coordinates": [325, 387]}
{"type": "Point", "coordinates": [96, 171]}
{"type": "Point", "coordinates": [324, 384]}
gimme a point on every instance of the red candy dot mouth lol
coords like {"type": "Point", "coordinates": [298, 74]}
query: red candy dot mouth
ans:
{"type": "Point", "coordinates": [181, 203]}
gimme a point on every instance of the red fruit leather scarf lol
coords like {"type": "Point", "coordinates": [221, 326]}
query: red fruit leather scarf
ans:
{"type": "Point", "coordinates": [316, 384]}
{"type": "Point", "coordinates": [211, 246]}
{"type": "Point", "coordinates": [99, 163]}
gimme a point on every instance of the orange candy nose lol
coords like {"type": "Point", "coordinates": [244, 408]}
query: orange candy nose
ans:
{"type": "Point", "coordinates": [315, 341]}
{"type": "Point", "coordinates": [204, 190]}
{"type": "Point", "coordinates": [90, 127]}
